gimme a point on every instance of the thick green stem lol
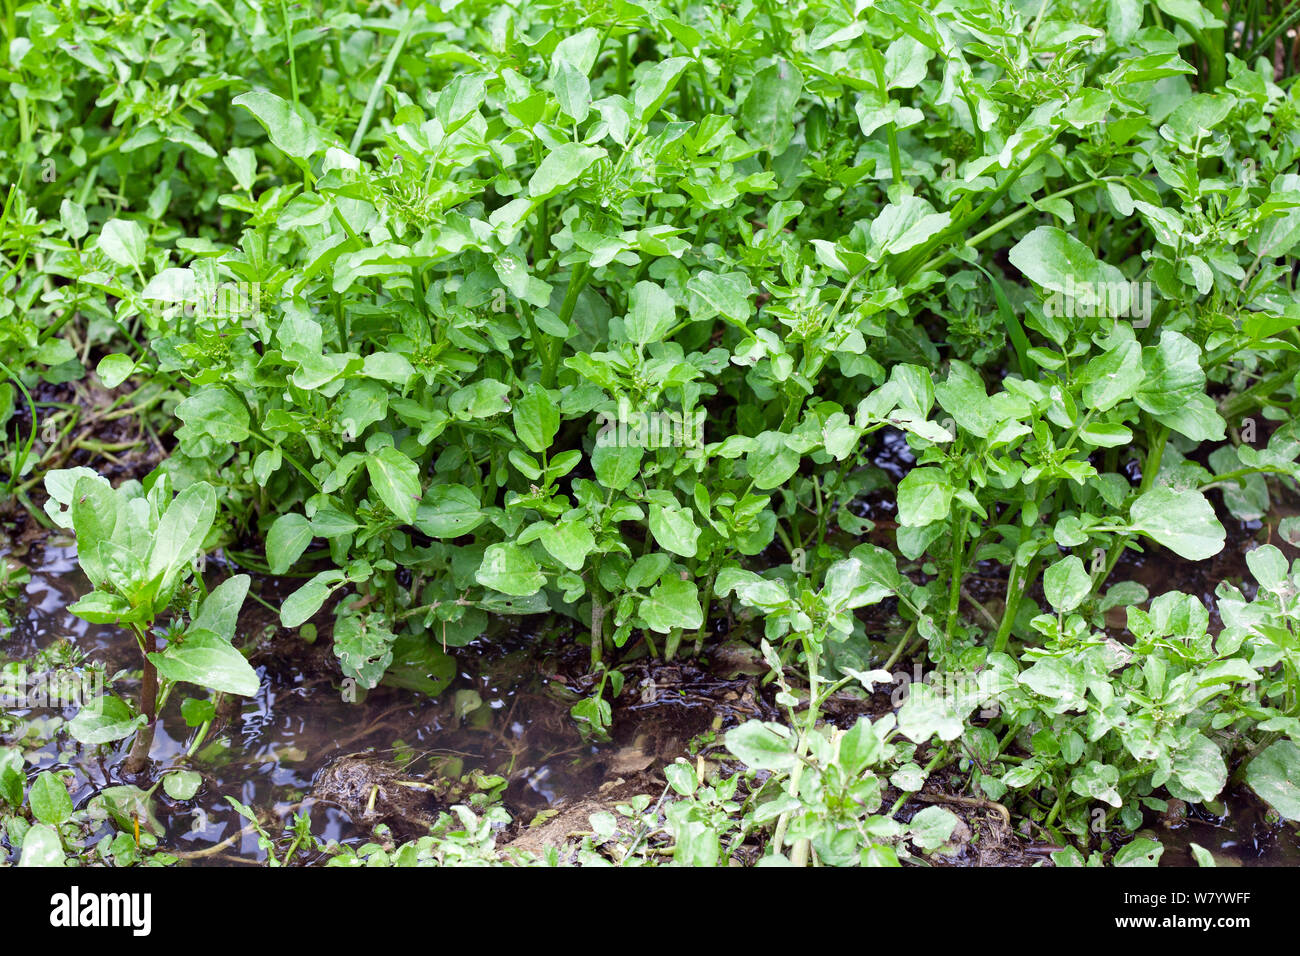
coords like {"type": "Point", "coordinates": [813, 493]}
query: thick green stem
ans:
{"type": "Point", "coordinates": [597, 621]}
{"type": "Point", "coordinates": [954, 584]}
{"type": "Point", "coordinates": [703, 632]}
{"type": "Point", "coordinates": [1015, 594]}
{"type": "Point", "coordinates": [799, 853]}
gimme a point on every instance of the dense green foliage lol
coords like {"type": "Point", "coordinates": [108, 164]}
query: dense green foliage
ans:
{"type": "Point", "coordinates": [606, 310]}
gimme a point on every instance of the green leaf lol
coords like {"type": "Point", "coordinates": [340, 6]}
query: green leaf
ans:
{"type": "Point", "coordinates": [772, 462]}
{"type": "Point", "coordinates": [1190, 12]}
{"type": "Point", "coordinates": [652, 315]}
{"type": "Point", "coordinates": [106, 720]}
{"type": "Point", "coordinates": [615, 465]}
{"type": "Point", "coordinates": [448, 511]}
{"type": "Point", "coordinates": [927, 713]}
{"type": "Point", "coordinates": [98, 607]}
{"type": "Point", "coordinates": [725, 294]}
{"type": "Point", "coordinates": [182, 784]}
{"type": "Point", "coordinates": [762, 746]}
{"type": "Point", "coordinates": [289, 132]}
{"type": "Point", "coordinates": [197, 712]}
{"type": "Point", "coordinates": [288, 538]}
{"type": "Point", "coordinates": [924, 496]}
{"type": "Point", "coordinates": [12, 780]}
{"type": "Point", "coordinates": [95, 509]}
{"type": "Point", "coordinates": [853, 583]}
{"type": "Point", "coordinates": [906, 224]}
{"type": "Point", "coordinates": [364, 647]}
{"type": "Point", "coordinates": [213, 413]}
{"type": "Point", "coordinates": [397, 480]}
{"type": "Point", "coordinates": [1199, 772]}
{"type": "Point", "coordinates": [1066, 584]}
{"type": "Point", "coordinates": [128, 805]}
{"type": "Point", "coordinates": [72, 216]}
{"type": "Point", "coordinates": [674, 529]}
{"type": "Point", "coordinates": [203, 658]}
{"type": "Point", "coordinates": [931, 827]}
{"type": "Point", "coordinates": [1057, 261]}
{"type": "Point", "coordinates": [483, 399]}
{"type": "Point", "coordinates": [768, 109]}
{"type": "Point", "coordinates": [1275, 776]}
{"type": "Point", "coordinates": [1141, 852]}
{"type": "Point", "coordinates": [537, 419]}
{"type": "Point", "coordinates": [1201, 855]}
{"type": "Point", "coordinates": [573, 92]}
{"type": "Point", "coordinates": [178, 539]}
{"type": "Point", "coordinates": [1183, 521]}
{"type": "Point", "coordinates": [123, 241]}
{"type": "Point", "coordinates": [219, 612]}
{"type": "Point", "coordinates": [1268, 566]}
{"type": "Point", "coordinates": [1105, 435]}
{"type": "Point", "coordinates": [654, 85]}
{"type": "Point", "coordinates": [42, 847]}
{"type": "Point", "coordinates": [560, 167]}
{"type": "Point", "coordinates": [1113, 376]}
{"type": "Point", "coordinates": [49, 799]}
{"type": "Point", "coordinates": [114, 369]}
{"type": "Point", "coordinates": [1173, 375]}
{"type": "Point", "coordinates": [860, 747]}
{"type": "Point", "coordinates": [307, 600]}
{"type": "Point", "coordinates": [569, 542]}
{"type": "Point", "coordinates": [673, 603]}
{"type": "Point", "coordinates": [510, 569]}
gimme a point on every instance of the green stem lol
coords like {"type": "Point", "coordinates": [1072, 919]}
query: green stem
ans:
{"type": "Point", "coordinates": [373, 101]}
{"type": "Point", "coordinates": [1250, 398]}
{"type": "Point", "coordinates": [959, 518]}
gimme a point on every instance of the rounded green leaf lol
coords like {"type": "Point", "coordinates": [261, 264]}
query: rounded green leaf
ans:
{"type": "Point", "coordinates": [1275, 776]}
{"type": "Point", "coordinates": [203, 658]}
{"type": "Point", "coordinates": [924, 497]}
{"type": "Point", "coordinates": [763, 746]}
{"type": "Point", "coordinates": [182, 784]}
{"type": "Point", "coordinates": [510, 569]}
{"type": "Point", "coordinates": [1066, 584]}
{"type": "Point", "coordinates": [674, 529]}
{"type": "Point", "coordinates": [673, 603]}
{"type": "Point", "coordinates": [448, 511]}
{"type": "Point", "coordinates": [114, 369]}
{"type": "Point", "coordinates": [49, 799]}
{"type": "Point", "coordinates": [42, 847]}
{"type": "Point", "coordinates": [106, 720]}
{"type": "Point", "coordinates": [1183, 521]}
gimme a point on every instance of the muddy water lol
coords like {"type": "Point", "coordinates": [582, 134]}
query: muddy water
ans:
{"type": "Point", "coordinates": [1241, 836]}
{"type": "Point", "coordinates": [285, 749]}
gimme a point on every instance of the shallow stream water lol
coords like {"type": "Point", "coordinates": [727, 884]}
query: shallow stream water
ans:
{"type": "Point", "coordinates": [506, 713]}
